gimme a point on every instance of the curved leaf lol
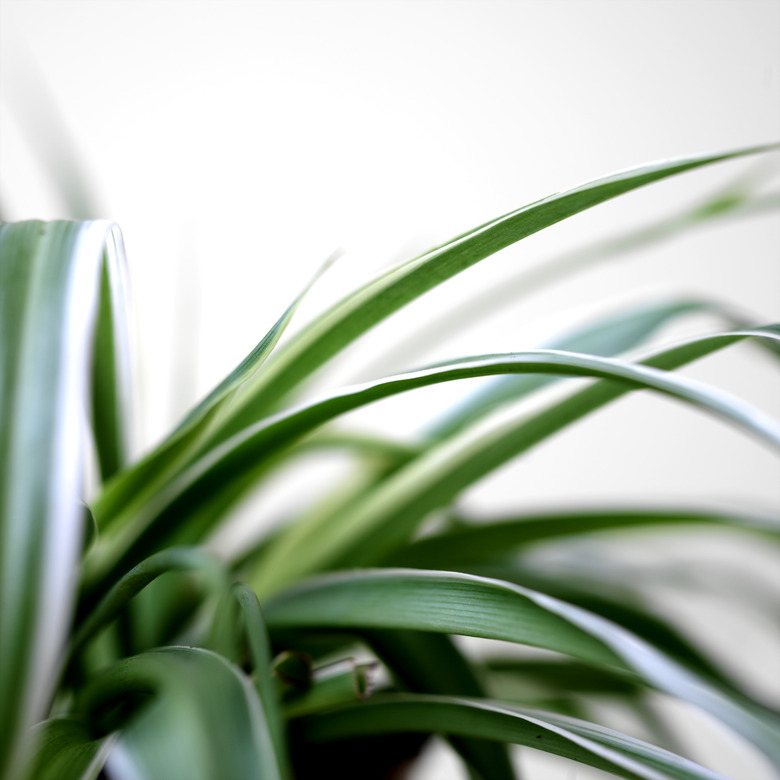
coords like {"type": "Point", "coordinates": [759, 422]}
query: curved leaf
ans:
{"type": "Point", "coordinates": [738, 200]}
{"type": "Point", "coordinates": [65, 750]}
{"type": "Point", "coordinates": [606, 337]}
{"type": "Point", "coordinates": [379, 298]}
{"type": "Point", "coordinates": [384, 519]}
{"type": "Point", "coordinates": [218, 472]}
{"type": "Point", "coordinates": [426, 662]}
{"type": "Point", "coordinates": [583, 742]}
{"type": "Point", "coordinates": [451, 602]}
{"type": "Point", "coordinates": [359, 311]}
{"type": "Point", "coordinates": [204, 718]}
{"type": "Point", "coordinates": [132, 583]}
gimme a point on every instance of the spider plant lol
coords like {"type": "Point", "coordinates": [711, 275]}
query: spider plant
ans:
{"type": "Point", "coordinates": [133, 646]}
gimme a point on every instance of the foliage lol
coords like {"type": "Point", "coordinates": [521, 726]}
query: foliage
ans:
{"type": "Point", "coordinates": [124, 638]}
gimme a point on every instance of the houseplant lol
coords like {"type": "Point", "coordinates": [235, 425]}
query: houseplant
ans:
{"type": "Point", "coordinates": [125, 638]}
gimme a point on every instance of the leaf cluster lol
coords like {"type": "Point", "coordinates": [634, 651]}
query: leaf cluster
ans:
{"type": "Point", "coordinates": [131, 647]}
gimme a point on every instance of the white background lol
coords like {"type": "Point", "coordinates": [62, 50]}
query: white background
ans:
{"type": "Point", "coordinates": [237, 144]}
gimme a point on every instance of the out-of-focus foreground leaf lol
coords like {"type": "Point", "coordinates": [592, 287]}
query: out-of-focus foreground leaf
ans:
{"type": "Point", "coordinates": [60, 339]}
{"type": "Point", "coordinates": [197, 717]}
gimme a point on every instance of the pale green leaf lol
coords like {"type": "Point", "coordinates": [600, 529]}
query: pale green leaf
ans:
{"type": "Point", "coordinates": [202, 718]}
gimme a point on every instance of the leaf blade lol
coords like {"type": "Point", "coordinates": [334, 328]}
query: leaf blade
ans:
{"type": "Point", "coordinates": [452, 602]}
{"type": "Point", "coordinates": [566, 737]}
{"type": "Point", "coordinates": [361, 310]}
{"type": "Point", "coordinates": [49, 292]}
{"type": "Point", "coordinates": [204, 721]}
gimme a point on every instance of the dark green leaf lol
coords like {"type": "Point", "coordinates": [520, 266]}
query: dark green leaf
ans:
{"type": "Point", "coordinates": [583, 742]}
{"type": "Point", "coordinates": [451, 602]}
{"type": "Point", "coordinates": [65, 750]}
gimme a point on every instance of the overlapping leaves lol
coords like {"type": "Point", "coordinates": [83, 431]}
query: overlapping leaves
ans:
{"type": "Point", "coordinates": [222, 706]}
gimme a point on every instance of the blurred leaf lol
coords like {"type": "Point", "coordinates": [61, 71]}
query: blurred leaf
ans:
{"type": "Point", "coordinates": [37, 109]}
{"type": "Point", "coordinates": [118, 597]}
{"type": "Point", "coordinates": [465, 542]}
{"type": "Point", "coordinates": [736, 200]}
{"type": "Point", "coordinates": [367, 532]}
{"type": "Point", "coordinates": [526, 679]}
{"type": "Point", "coordinates": [354, 315]}
{"type": "Point", "coordinates": [607, 336]}
{"type": "Point", "coordinates": [67, 751]}
{"type": "Point", "coordinates": [145, 478]}
{"type": "Point", "coordinates": [219, 472]}
{"type": "Point", "coordinates": [260, 653]}
{"type": "Point", "coordinates": [199, 718]}
{"type": "Point", "coordinates": [50, 285]}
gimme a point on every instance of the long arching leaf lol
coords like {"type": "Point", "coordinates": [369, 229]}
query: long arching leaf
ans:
{"type": "Point", "coordinates": [361, 310]}
{"type": "Point", "coordinates": [582, 742]}
{"type": "Point", "coordinates": [451, 602]}
{"type": "Point", "coordinates": [219, 472]}
{"type": "Point", "coordinates": [385, 518]}
{"type": "Point", "coordinates": [378, 299]}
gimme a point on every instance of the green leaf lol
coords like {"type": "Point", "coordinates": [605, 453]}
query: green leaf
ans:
{"type": "Point", "coordinates": [425, 662]}
{"type": "Point", "coordinates": [367, 532]}
{"type": "Point", "coordinates": [583, 742]}
{"type": "Point", "coordinates": [357, 313]}
{"type": "Point", "coordinates": [260, 653]}
{"type": "Point", "coordinates": [606, 337]}
{"type": "Point", "coordinates": [218, 473]}
{"type": "Point", "coordinates": [451, 602]}
{"type": "Point", "coordinates": [469, 542]}
{"type": "Point", "coordinates": [132, 583]}
{"type": "Point", "coordinates": [446, 602]}
{"type": "Point", "coordinates": [199, 718]}
{"type": "Point", "coordinates": [363, 309]}
{"type": "Point", "coordinates": [66, 750]}
{"type": "Point", "coordinates": [332, 685]}
{"type": "Point", "coordinates": [610, 593]}
{"type": "Point", "coordinates": [526, 679]}
{"type": "Point", "coordinates": [111, 407]}
{"type": "Point", "coordinates": [51, 316]}
{"type": "Point", "coordinates": [736, 200]}
{"type": "Point", "coordinates": [145, 478]}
